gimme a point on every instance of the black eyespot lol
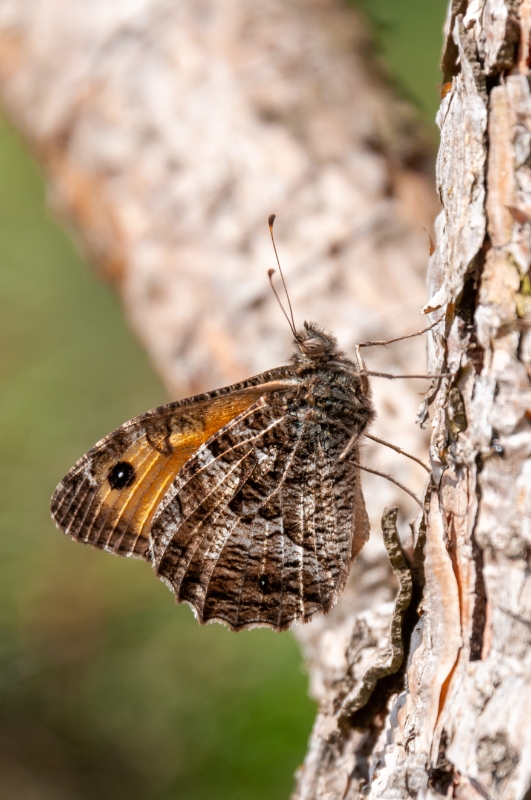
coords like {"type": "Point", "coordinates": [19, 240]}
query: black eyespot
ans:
{"type": "Point", "coordinates": [497, 447]}
{"type": "Point", "coordinates": [121, 475]}
{"type": "Point", "coordinates": [263, 583]}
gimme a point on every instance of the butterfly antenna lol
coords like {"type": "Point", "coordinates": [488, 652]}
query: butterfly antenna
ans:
{"type": "Point", "coordinates": [271, 272]}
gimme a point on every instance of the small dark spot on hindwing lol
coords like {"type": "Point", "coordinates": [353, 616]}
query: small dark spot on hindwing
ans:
{"type": "Point", "coordinates": [268, 585]}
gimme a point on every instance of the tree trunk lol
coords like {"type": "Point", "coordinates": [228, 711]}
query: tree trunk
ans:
{"type": "Point", "coordinates": [168, 135]}
{"type": "Point", "coordinates": [461, 727]}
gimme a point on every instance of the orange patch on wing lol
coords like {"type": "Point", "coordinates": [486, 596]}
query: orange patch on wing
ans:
{"type": "Point", "coordinates": [131, 510]}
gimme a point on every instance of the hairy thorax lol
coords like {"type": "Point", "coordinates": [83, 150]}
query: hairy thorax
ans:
{"type": "Point", "coordinates": [333, 394]}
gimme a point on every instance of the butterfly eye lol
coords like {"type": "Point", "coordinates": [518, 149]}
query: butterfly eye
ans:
{"type": "Point", "coordinates": [312, 347]}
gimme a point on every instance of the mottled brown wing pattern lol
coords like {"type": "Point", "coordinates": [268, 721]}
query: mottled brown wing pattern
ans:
{"type": "Point", "coordinates": [240, 497]}
{"type": "Point", "coordinates": [259, 526]}
{"type": "Point", "coordinates": [109, 498]}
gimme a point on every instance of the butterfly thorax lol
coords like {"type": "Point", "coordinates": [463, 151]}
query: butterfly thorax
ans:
{"type": "Point", "coordinates": [330, 389]}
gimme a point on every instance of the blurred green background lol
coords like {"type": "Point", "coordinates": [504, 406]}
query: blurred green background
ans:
{"type": "Point", "coordinates": [107, 689]}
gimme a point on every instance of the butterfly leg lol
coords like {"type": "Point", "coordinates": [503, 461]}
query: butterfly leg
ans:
{"type": "Point", "coordinates": [391, 479]}
{"type": "Point", "coordinates": [394, 377]}
{"type": "Point", "coordinates": [363, 371]}
{"type": "Point", "coordinates": [398, 450]}
{"type": "Point", "coordinates": [401, 338]}
{"type": "Point", "coordinates": [352, 441]}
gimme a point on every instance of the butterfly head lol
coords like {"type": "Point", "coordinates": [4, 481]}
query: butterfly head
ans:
{"type": "Point", "coordinates": [314, 344]}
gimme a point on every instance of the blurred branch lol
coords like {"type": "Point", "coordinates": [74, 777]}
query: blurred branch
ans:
{"type": "Point", "coordinates": [169, 133]}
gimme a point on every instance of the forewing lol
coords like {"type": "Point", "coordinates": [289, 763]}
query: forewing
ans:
{"type": "Point", "coordinates": [109, 498]}
{"type": "Point", "coordinates": [259, 527]}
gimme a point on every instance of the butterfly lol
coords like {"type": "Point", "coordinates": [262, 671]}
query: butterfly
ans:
{"type": "Point", "coordinates": [246, 500]}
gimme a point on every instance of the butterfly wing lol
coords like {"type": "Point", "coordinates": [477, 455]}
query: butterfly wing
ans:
{"type": "Point", "coordinates": [261, 525]}
{"type": "Point", "coordinates": [109, 498]}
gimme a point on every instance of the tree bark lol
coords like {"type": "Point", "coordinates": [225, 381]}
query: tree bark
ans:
{"type": "Point", "coordinates": [168, 134]}
{"type": "Point", "coordinates": [461, 726]}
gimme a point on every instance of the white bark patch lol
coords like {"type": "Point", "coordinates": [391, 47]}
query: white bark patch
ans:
{"type": "Point", "coordinates": [462, 119]}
